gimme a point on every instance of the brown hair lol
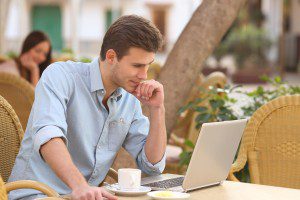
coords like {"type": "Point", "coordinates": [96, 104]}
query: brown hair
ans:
{"type": "Point", "coordinates": [33, 39]}
{"type": "Point", "coordinates": [131, 31]}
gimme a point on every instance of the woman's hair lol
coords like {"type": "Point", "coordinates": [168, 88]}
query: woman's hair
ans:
{"type": "Point", "coordinates": [33, 39]}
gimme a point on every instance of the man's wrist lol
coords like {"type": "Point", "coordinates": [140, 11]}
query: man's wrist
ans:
{"type": "Point", "coordinates": [157, 108]}
{"type": "Point", "coordinates": [82, 184]}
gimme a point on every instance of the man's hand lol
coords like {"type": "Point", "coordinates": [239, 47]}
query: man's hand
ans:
{"type": "Point", "coordinates": [150, 93]}
{"type": "Point", "coordinates": [87, 192]}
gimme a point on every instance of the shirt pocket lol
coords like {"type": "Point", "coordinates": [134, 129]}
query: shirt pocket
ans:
{"type": "Point", "coordinates": [116, 134]}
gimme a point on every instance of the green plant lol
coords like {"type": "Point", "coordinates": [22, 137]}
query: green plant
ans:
{"type": "Point", "coordinates": [67, 51]}
{"type": "Point", "coordinates": [12, 54]}
{"type": "Point", "coordinates": [260, 96]}
{"type": "Point", "coordinates": [213, 106]}
{"type": "Point", "coordinates": [85, 60]}
{"type": "Point", "coordinates": [217, 105]}
{"type": "Point", "coordinates": [247, 43]}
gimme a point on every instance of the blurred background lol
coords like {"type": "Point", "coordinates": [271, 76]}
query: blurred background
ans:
{"type": "Point", "coordinates": [265, 37]}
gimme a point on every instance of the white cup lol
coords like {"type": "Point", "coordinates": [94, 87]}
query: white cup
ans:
{"type": "Point", "coordinates": [129, 179]}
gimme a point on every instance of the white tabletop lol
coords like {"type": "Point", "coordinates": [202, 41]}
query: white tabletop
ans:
{"type": "Point", "coordinates": [229, 190]}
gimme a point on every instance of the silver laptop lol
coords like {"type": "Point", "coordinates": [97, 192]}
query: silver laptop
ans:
{"type": "Point", "coordinates": [211, 160]}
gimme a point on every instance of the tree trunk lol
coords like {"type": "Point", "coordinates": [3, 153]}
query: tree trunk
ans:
{"type": "Point", "coordinates": [197, 41]}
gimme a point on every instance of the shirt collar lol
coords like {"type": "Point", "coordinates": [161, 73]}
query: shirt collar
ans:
{"type": "Point", "coordinates": [95, 75]}
{"type": "Point", "coordinates": [97, 83]}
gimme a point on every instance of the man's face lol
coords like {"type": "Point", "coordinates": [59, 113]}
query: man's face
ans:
{"type": "Point", "coordinates": [132, 68]}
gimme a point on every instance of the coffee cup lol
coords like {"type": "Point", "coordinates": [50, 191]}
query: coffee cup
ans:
{"type": "Point", "coordinates": [129, 179]}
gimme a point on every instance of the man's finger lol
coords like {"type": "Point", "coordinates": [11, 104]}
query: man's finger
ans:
{"type": "Point", "coordinates": [108, 195]}
{"type": "Point", "coordinates": [145, 90]}
{"type": "Point", "coordinates": [137, 90]}
{"type": "Point", "coordinates": [150, 91]}
{"type": "Point", "coordinates": [142, 88]}
{"type": "Point", "coordinates": [98, 195]}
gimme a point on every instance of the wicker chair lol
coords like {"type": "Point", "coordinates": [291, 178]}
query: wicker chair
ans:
{"type": "Point", "coordinates": [271, 144]}
{"type": "Point", "coordinates": [11, 135]}
{"type": "Point", "coordinates": [3, 59]}
{"type": "Point", "coordinates": [186, 125]}
{"type": "Point", "coordinates": [19, 93]}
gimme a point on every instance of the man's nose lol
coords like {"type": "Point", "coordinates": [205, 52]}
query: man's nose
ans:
{"type": "Point", "coordinates": [143, 74]}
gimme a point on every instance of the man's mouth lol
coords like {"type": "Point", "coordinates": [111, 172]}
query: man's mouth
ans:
{"type": "Point", "coordinates": [135, 83]}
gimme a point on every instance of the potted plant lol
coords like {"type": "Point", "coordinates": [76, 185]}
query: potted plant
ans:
{"type": "Point", "coordinates": [248, 44]}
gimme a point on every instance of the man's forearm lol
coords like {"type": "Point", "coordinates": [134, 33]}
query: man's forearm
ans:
{"type": "Point", "coordinates": [155, 146]}
{"type": "Point", "coordinates": [58, 158]}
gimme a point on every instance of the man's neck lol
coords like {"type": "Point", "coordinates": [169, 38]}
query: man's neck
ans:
{"type": "Point", "coordinates": [106, 75]}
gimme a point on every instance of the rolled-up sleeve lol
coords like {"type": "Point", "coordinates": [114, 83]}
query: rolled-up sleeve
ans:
{"type": "Point", "coordinates": [135, 143]}
{"type": "Point", "coordinates": [50, 105]}
{"type": "Point", "coordinates": [47, 133]}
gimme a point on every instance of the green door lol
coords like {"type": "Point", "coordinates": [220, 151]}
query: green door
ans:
{"type": "Point", "coordinates": [48, 19]}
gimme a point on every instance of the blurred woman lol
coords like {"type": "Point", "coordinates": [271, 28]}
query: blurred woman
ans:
{"type": "Point", "coordinates": [34, 58]}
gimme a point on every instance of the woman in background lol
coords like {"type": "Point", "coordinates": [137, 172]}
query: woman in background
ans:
{"type": "Point", "coordinates": [34, 58]}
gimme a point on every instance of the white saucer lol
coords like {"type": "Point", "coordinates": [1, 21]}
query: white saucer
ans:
{"type": "Point", "coordinates": [135, 192]}
{"type": "Point", "coordinates": [168, 195]}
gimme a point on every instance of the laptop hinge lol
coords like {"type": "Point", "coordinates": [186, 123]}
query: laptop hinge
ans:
{"type": "Point", "coordinates": [204, 186]}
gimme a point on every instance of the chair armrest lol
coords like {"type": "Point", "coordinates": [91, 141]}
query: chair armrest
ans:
{"type": "Point", "coordinates": [177, 141]}
{"type": "Point", "coordinates": [29, 184]}
{"type": "Point", "coordinates": [231, 177]}
{"type": "Point", "coordinates": [113, 174]}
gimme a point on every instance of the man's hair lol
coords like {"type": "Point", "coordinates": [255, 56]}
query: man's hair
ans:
{"type": "Point", "coordinates": [131, 31]}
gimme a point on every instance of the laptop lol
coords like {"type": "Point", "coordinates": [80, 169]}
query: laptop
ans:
{"type": "Point", "coordinates": [211, 160]}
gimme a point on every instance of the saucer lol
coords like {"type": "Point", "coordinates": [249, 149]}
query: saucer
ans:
{"type": "Point", "coordinates": [168, 195]}
{"type": "Point", "coordinates": [128, 192]}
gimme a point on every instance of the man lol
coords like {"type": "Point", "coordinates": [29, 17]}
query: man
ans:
{"type": "Point", "coordinates": [84, 113]}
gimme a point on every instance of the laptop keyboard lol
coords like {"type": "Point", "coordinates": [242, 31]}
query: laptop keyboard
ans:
{"type": "Point", "coordinates": [169, 183]}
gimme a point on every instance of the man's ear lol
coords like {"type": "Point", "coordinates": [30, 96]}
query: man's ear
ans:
{"type": "Point", "coordinates": [110, 56]}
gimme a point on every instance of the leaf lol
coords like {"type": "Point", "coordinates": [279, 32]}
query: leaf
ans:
{"type": "Point", "coordinates": [223, 117]}
{"type": "Point", "coordinates": [189, 143]}
{"type": "Point", "coordinates": [265, 78]}
{"type": "Point", "coordinates": [186, 107]}
{"type": "Point", "coordinates": [216, 103]}
{"type": "Point", "coordinates": [185, 158]}
{"type": "Point", "coordinates": [277, 79]}
{"type": "Point", "coordinates": [198, 100]}
{"type": "Point", "coordinates": [198, 126]}
{"type": "Point", "coordinates": [260, 90]}
{"type": "Point", "coordinates": [201, 109]}
{"type": "Point", "coordinates": [203, 117]}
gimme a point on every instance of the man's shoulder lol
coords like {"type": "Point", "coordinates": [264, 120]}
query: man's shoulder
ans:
{"type": "Point", "coordinates": [69, 67]}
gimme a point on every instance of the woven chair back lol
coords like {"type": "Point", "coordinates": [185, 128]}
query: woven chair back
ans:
{"type": "Point", "coordinates": [11, 135]}
{"type": "Point", "coordinates": [273, 139]}
{"type": "Point", "coordinates": [19, 93]}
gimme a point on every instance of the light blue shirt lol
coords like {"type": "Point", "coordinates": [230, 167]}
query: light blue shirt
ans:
{"type": "Point", "coordinates": [68, 104]}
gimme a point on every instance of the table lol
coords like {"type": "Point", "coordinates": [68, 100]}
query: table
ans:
{"type": "Point", "coordinates": [230, 190]}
